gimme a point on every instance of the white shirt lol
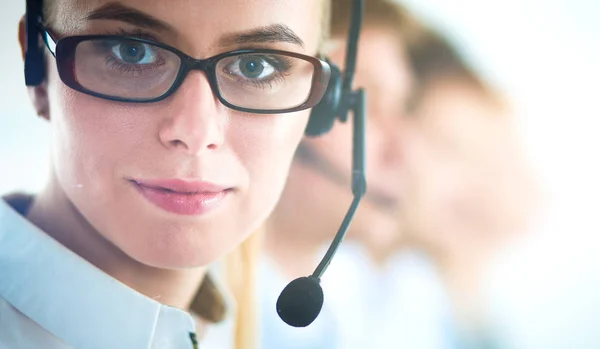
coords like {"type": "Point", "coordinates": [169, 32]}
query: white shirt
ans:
{"type": "Point", "coordinates": [52, 298]}
{"type": "Point", "coordinates": [400, 305]}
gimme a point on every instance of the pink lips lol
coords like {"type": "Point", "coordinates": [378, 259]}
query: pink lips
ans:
{"type": "Point", "coordinates": [182, 197]}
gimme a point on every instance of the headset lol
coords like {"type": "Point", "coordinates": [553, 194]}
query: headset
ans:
{"type": "Point", "coordinates": [301, 301]}
{"type": "Point", "coordinates": [35, 73]}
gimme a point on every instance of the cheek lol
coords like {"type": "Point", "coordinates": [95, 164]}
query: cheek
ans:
{"type": "Point", "coordinates": [441, 187]}
{"type": "Point", "coordinates": [265, 146]}
{"type": "Point", "coordinates": [91, 138]}
{"type": "Point", "coordinates": [336, 145]}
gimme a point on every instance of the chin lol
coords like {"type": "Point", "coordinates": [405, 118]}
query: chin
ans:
{"type": "Point", "coordinates": [178, 250]}
{"type": "Point", "coordinates": [175, 261]}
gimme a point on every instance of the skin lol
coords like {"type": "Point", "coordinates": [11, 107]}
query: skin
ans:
{"type": "Point", "coordinates": [313, 206]}
{"type": "Point", "coordinates": [89, 204]}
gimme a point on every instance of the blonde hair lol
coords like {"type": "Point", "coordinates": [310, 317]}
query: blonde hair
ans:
{"type": "Point", "coordinates": [431, 56]}
{"type": "Point", "coordinates": [383, 14]}
{"type": "Point", "coordinates": [242, 274]}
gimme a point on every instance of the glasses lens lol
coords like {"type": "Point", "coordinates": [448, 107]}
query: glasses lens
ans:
{"type": "Point", "coordinates": [125, 68]}
{"type": "Point", "coordinates": [264, 81]}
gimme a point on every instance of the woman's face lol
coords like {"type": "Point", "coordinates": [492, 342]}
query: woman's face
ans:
{"type": "Point", "coordinates": [466, 178]}
{"type": "Point", "coordinates": [118, 162]}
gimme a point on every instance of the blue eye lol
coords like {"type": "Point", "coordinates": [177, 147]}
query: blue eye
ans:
{"type": "Point", "coordinates": [253, 67]}
{"type": "Point", "coordinates": [132, 52]}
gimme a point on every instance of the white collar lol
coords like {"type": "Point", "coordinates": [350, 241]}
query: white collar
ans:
{"type": "Point", "coordinates": [77, 302]}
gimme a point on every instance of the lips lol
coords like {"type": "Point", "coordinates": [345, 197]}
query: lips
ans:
{"type": "Point", "coordinates": [382, 199]}
{"type": "Point", "coordinates": [182, 197]}
{"type": "Point", "coordinates": [385, 197]}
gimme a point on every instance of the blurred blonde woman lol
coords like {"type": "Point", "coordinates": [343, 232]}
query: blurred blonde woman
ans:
{"type": "Point", "coordinates": [470, 191]}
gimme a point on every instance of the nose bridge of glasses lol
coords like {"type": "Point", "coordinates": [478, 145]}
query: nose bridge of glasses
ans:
{"type": "Point", "coordinates": [196, 64]}
{"type": "Point", "coordinates": [204, 65]}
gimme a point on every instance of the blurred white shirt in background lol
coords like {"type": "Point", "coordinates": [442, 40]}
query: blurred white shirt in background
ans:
{"type": "Point", "coordinates": [400, 306]}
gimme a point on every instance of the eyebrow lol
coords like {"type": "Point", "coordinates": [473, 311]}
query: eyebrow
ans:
{"type": "Point", "coordinates": [119, 12]}
{"type": "Point", "coordinates": [270, 34]}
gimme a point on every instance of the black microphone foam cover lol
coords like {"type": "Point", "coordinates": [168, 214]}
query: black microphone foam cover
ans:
{"type": "Point", "coordinates": [300, 302]}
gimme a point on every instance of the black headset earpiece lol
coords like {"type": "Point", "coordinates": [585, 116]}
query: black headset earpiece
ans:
{"type": "Point", "coordinates": [324, 114]}
{"type": "Point", "coordinates": [34, 56]}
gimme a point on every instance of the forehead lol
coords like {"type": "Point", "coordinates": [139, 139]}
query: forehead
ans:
{"type": "Point", "coordinates": [382, 62]}
{"type": "Point", "coordinates": [204, 20]}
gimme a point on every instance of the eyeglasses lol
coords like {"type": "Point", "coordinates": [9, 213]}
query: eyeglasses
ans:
{"type": "Point", "coordinates": [137, 70]}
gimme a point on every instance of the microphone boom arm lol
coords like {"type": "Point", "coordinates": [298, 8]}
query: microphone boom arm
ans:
{"type": "Point", "coordinates": [359, 182]}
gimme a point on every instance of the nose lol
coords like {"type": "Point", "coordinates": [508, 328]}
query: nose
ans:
{"type": "Point", "coordinates": [387, 128]}
{"type": "Point", "coordinates": [388, 149]}
{"type": "Point", "coordinates": [196, 120]}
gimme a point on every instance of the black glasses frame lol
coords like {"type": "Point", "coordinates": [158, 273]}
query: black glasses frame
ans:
{"type": "Point", "coordinates": [63, 51]}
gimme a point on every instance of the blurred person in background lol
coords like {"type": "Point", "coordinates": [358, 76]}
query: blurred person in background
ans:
{"type": "Point", "coordinates": [470, 192]}
{"type": "Point", "coordinates": [459, 183]}
{"type": "Point", "coordinates": [364, 301]}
